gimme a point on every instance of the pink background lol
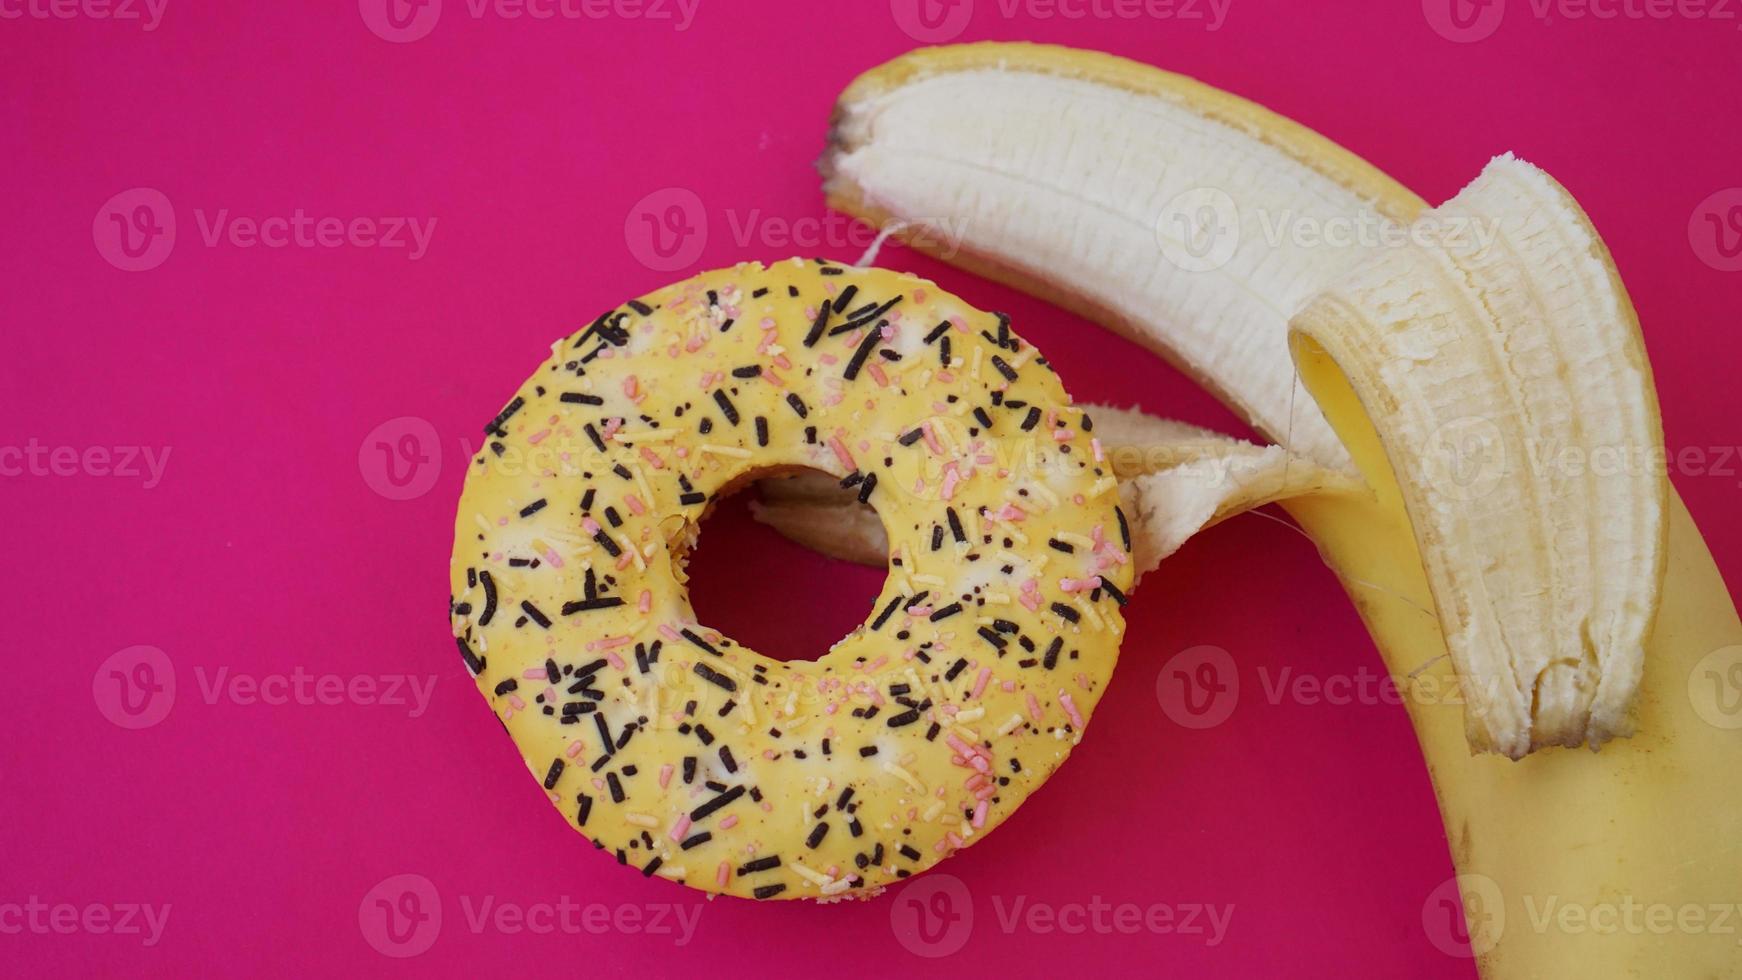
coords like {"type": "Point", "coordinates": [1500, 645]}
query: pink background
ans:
{"type": "Point", "coordinates": [265, 549]}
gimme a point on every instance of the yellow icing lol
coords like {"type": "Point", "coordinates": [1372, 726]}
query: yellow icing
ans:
{"type": "Point", "coordinates": [668, 374]}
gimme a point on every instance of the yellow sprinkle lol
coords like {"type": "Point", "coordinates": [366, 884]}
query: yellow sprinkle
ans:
{"type": "Point", "coordinates": [641, 481]}
{"type": "Point", "coordinates": [1089, 613]}
{"type": "Point", "coordinates": [641, 819]}
{"type": "Point", "coordinates": [1102, 485]}
{"type": "Point", "coordinates": [674, 872]}
{"type": "Point", "coordinates": [837, 887]}
{"type": "Point", "coordinates": [905, 776]}
{"type": "Point", "coordinates": [1072, 538]}
{"type": "Point", "coordinates": [1010, 725]}
{"type": "Point", "coordinates": [931, 812]}
{"type": "Point", "coordinates": [975, 370]}
{"type": "Point", "coordinates": [997, 598]}
{"type": "Point", "coordinates": [733, 451]}
{"type": "Point", "coordinates": [815, 877]}
{"type": "Point", "coordinates": [972, 714]}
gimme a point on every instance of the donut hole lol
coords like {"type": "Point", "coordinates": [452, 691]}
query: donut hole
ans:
{"type": "Point", "coordinates": [775, 596]}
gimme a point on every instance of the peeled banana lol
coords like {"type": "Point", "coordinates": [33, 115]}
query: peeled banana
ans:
{"type": "Point", "coordinates": [1571, 606]}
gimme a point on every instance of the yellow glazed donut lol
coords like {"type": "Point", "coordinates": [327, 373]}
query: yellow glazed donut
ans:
{"type": "Point", "coordinates": [691, 757]}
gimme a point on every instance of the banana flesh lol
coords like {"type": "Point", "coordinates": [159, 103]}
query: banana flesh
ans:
{"type": "Point", "coordinates": [1508, 382]}
{"type": "Point", "coordinates": [1142, 199]}
{"type": "Point", "coordinates": [1174, 481]}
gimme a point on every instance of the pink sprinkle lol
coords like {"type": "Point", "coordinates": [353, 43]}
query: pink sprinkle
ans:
{"type": "Point", "coordinates": [630, 387]}
{"type": "Point", "coordinates": [783, 362]}
{"type": "Point", "coordinates": [646, 602]}
{"type": "Point", "coordinates": [538, 437]}
{"type": "Point", "coordinates": [1071, 709]}
{"type": "Point", "coordinates": [616, 661]}
{"type": "Point", "coordinates": [666, 631]}
{"type": "Point", "coordinates": [919, 296]}
{"type": "Point", "coordinates": [591, 525]}
{"type": "Point", "coordinates": [1033, 708]}
{"type": "Point", "coordinates": [828, 359]}
{"type": "Point", "coordinates": [841, 452]}
{"type": "Point", "coordinates": [1061, 435]}
{"type": "Point", "coordinates": [768, 322]}
{"type": "Point", "coordinates": [652, 458]}
{"type": "Point", "coordinates": [725, 870]}
{"type": "Point", "coordinates": [683, 825]}
{"type": "Point", "coordinates": [624, 561]}
{"type": "Point", "coordinates": [664, 774]}
{"type": "Point", "coordinates": [1100, 454]}
{"type": "Point", "coordinates": [635, 504]}
{"type": "Point", "coordinates": [534, 674]}
{"type": "Point", "coordinates": [951, 480]}
{"type": "Point", "coordinates": [931, 438]}
{"type": "Point", "coordinates": [774, 379]}
{"type": "Point", "coordinates": [551, 556]}
{"type": "Point", "coordinates": [1007, 686]}
{"type": "Point", "coordinates": [980, 813]}
{"type": "Point", "coordinates": [980, 681]}
{"type": "Point", "coordinates": [877, 375]}
{"type": "Point", "coordinates": [574, 748]}
{"type": "Point", "coordinates": [514, 699]}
